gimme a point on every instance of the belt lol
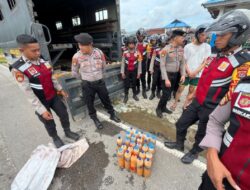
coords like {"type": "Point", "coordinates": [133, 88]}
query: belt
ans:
{"type": "Point", "coordinates": [172, 73]}
{"type": "Point", "coordinates": [93, 82]}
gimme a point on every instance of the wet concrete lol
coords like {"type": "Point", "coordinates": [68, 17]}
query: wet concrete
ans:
{"type": "Point", "coordinates": [87, 173]}
{"type": "Point", "coordinates": [109, 129]}
{"type": "Point", "coordinates": [162, 128]}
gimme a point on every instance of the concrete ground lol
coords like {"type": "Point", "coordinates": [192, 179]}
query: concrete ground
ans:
{"type": "Point", "coordinates": [21, 132]}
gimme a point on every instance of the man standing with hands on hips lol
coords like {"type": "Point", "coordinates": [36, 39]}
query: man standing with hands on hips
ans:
{"type": "Point", "coordinates": [88, 64]}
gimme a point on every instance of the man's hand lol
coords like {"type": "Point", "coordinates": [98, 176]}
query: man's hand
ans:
{"type": "Point", "coordinates": [182, 80]}
{"type": "Point", "coordinates": [64, 94]}
{"type": "Point", "coordinates": [123, 76]}
{"type": "Point", "coordinates": [167, 83]}
{"type": "Point", "coordinates": [217, 171]}
{"type": "Point", "coordinates": [47, 116]}
{"type": "Point", "coordinates": [192, 74]}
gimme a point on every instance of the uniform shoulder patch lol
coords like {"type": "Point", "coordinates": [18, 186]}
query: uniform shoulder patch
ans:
{"type": "Point", "coordinates": [19, 76]}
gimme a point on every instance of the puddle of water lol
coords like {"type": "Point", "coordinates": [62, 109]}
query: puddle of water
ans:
{"type": "Point", "coordinates": [162, 128]}
{"type": "Point", "coordinates": [141, 119]}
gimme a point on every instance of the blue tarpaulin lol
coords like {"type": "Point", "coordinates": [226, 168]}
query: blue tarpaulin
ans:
{"type": "Point", "coordinates": [177, 24]}
{"type": "Point", "coordinates": [214, 1]}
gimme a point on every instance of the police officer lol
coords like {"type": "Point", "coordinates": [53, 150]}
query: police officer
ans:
{"type": "Point", "coordinates": [34, 77]}
{"type": "Point", "coordinates": [150, 49]}
{"type": "Point", "coordinates": [171, 63]}
{"type": "Point", "coordinates": [232, 31]}
{"type": "Point", "coordinates": [228, 153]}
{"type": "Point", "coordinates": [131, 67]}
{"type": "Point", "coordinates": [88, 64]}
{"type": "Point", "coordinates": [155, 67]}
{"type": "Point", "coordinates": [141, 46]}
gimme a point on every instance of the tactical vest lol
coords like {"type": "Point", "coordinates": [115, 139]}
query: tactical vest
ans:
{"type": "Point", "coordinates": [235, 149]}
{"type": "Point", "coordinates": [40, 78]}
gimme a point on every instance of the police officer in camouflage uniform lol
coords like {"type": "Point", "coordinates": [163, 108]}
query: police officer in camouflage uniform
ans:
{"type": "Point", "coordinates": [88, 64]}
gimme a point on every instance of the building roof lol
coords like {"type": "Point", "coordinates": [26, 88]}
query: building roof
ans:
{"type": "Point", "coordinates": [177, 24]}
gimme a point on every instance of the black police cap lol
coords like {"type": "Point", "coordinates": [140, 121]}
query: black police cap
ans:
{"type": "Point", "coordinates": [25, 39]}
{"type": "Point", "coordinates": [84, 38]}
{"type": "Point", "coordinates": [178, 33]}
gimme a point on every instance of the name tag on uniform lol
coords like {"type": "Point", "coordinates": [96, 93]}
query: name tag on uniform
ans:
{"type": "Point", "coordinates": [242, 105]}
{"type": "Point", "coordinates": [223, 66]}
{"type": "Point", "coordinates": [33, 72]}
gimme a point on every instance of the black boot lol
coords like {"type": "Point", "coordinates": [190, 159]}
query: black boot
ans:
{"type": "Point", "coordinates": [166, 110]}
{"type": "Point", "coordinates": [144, 94]}
{"type": "Point", "coordinates": [175, 145]}
{"type": "Point", "coordinates": [72, 135]}
{"type": "Point", "coordinates": [138, 90]}
{"type": "Point", "coordinates": [135, 97]}
{"type": "Point", "coordinates": [158, 112]}
{"type": "Point", "coordinates": [114, 117]}
{"type": "Point", "coordinates": [125, 100]}
{"type": "Point", "coordinates": [158, 94]}
{"type": "Point", "coordinates": [190, 157]}
{"type": "Point", "coordinates": [152, 96]}
{"type": "Point", "coordinates": [98, 124]}
{"type": "Point", "coordinates": [57, 141]}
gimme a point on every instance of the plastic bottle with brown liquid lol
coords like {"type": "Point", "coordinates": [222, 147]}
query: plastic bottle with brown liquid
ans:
{"type": "Point", "coordinates": [124, 148]}
{"type": "Point", "coordinates": [147, 167]}
{"type": "Point", "coordinates": [142, 155]}
{"type": "Point", "coordinates": [151, 148]}
{"type": "Point", "coordinates": [127, 157]}
{"type": "Point", "coordinates": [139, 146]}
{"type": "Point", "coordinates": [130, 149]}
{"type": "Point", "coordinates": [133, 138]}
{"type": "Point", "coordinates": [119, 142]}
{"type": "Point", "coordinates": [120, 156]}
{"type": "Point", "coordinates": [132, 143]}
{"type": "Point", "coordinates": [131, 130]}
{"type": "Point", "coordinates": [149, 155]}
{"type": "Point", "coordinates": [133, 163]}
{"type": "Point", "coordinates": [136, 150]}
{"type": "Point", "coordinates": [127, 141]}
{"type": "Point", "coordinates": [139, 166]}
{"type": "Point", "coordinates": [139, 140]}
{"type": "Point", "coordinates": [145, 147]}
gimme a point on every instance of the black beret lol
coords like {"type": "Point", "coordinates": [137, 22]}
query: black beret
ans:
{"type": "Point", "coordinates": [84, 39]}
{"type": "Point", "coordinates": [25, 39]}
{"type": "Point", "coordinates": [178, 33]}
